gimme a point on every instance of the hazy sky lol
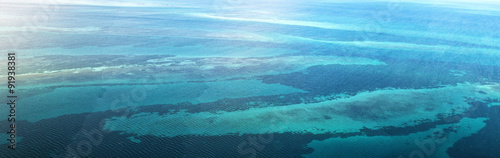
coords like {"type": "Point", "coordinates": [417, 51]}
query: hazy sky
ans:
{"type": "Point", "coordinates": [162, 2]}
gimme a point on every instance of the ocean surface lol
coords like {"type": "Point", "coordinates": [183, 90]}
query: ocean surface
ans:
{"type": "Point", "coordinates": [233, 78]}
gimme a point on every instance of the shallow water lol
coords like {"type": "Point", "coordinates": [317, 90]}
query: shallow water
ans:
{"type": "Point", "coordinates": [254, 79]}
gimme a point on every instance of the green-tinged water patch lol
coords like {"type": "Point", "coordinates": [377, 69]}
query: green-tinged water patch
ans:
{"type": "Point", "coordinates": [74, 100]}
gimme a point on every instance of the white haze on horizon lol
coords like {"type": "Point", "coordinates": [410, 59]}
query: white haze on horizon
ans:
{"type": "Point", "coordinates": [153, 3]}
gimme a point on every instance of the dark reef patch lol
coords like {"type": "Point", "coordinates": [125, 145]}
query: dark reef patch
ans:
{"type": "Point", "coordinates": [52, 137]}
{"type": "Point", "coordinates": [405, 74]}
{"type": "Point", "coordinates": [485, 143]}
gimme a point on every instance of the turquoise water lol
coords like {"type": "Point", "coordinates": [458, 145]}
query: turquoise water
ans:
{"type": "Point", "coordinates": [254, 79]}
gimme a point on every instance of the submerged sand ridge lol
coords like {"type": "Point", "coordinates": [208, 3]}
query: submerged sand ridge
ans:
{"type": "Point", "coordinates": [46, 71]}
{"type": "Point", "coordinates": [396, 107]}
